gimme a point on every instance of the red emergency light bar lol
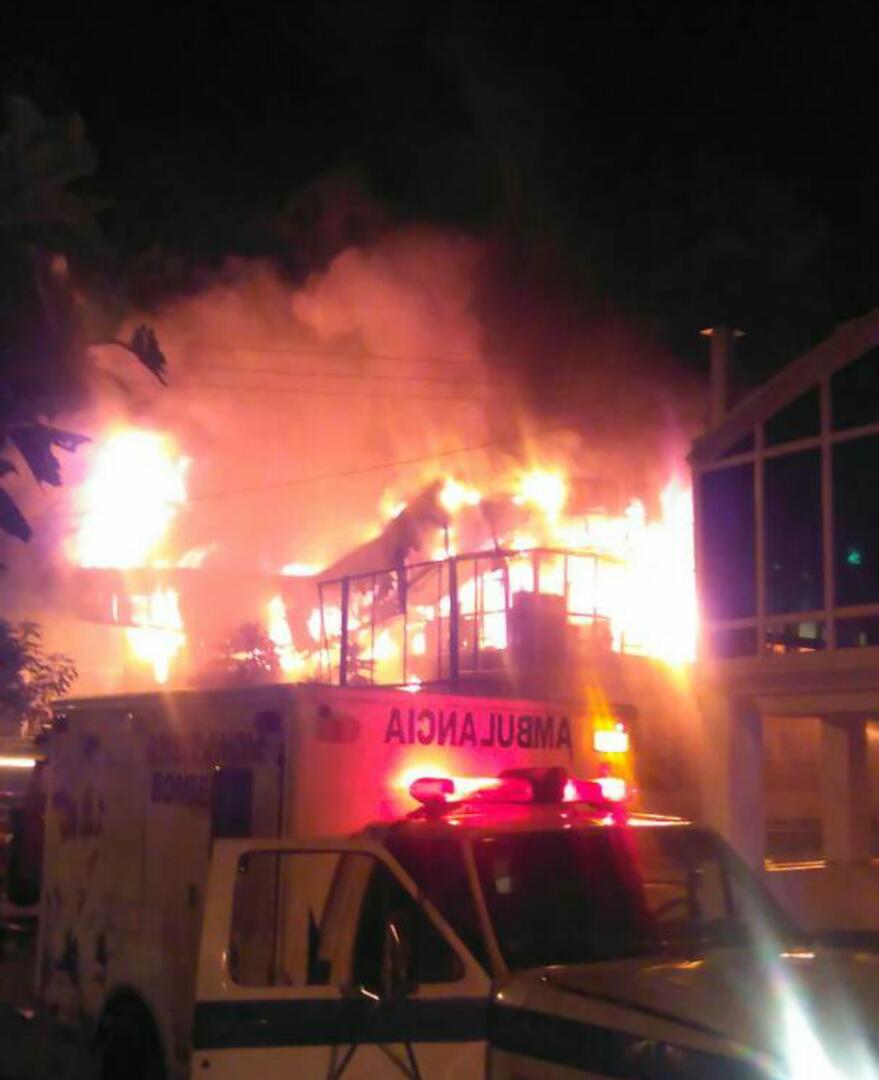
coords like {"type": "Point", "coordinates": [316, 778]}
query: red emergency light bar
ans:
{"type": "Point", "coordinates": [613, 740]}
{"type": "Point", "coordinates": [542, 786]}
{"type": "Point", "coordinates": [603, 789]}
{"type": "Point", "coordinates": [440, 789]}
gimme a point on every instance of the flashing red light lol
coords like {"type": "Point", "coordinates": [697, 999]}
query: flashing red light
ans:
{"type": "Point", "coordinates": [613, 788]}
{"type": "Point", "coordinates": [604, 789]}
{"type": "Point", "coordinates": [611, 741]}
{"type": "Point", "coordinates": [434, 789]}
{"type": "Point", "coordinates": [582, 791]}
{"type": "Point", "coordinates": [431, 789]}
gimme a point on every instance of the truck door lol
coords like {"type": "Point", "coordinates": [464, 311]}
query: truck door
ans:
{"type": "Point", "coordinates": [318, 959]}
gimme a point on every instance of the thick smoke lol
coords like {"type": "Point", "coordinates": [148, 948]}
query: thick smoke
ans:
{"type": "Point", "coordinates": [294, 405]}
{"type": "Point", "coordinates": [304, 411]}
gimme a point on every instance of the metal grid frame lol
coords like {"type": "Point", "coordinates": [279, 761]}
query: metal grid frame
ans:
{"type": "Point", "coordinates": [765, 623]}
{"type": "Point", "coordinates": [459, 647]}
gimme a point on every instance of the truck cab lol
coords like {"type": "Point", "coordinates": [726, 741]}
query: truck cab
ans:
{"type": "Point", "coordinates": [523, 925]}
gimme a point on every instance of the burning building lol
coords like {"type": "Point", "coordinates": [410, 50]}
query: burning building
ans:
{"type": "Point", "coordinates": [454, 586]}
{"type": "Point", "coordinates": [339, 486]}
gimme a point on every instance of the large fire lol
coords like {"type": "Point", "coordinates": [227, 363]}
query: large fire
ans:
{"type": "Point", "coordinates": [135, 488]}
{"type": "Point", "coordinates": [133, 492]}
{"type": "Point", "coordinates": [159, 636]}
{"type": "Point", "coordinates": [624, 579]}
{"type": "Point", "coordinates": [628, 574]}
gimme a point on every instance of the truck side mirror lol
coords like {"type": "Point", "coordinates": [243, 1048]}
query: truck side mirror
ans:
{"type": "Point", "coordinates": [396, 958]}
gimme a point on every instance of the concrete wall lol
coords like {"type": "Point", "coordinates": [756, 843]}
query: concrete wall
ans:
{"type": "Point", "coordinates": [822, 898]}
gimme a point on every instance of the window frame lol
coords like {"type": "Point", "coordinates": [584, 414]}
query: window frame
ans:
{"type": "Point", "coordinates": [214, 980]}
{"type": "Point", "coordinates": [829, 613]}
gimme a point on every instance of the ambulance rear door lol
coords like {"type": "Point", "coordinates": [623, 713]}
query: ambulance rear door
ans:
{"type": "Point", "coordinates": [319, 959]}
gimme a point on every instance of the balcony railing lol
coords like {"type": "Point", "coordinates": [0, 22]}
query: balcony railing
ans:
{"type": "Point", "coordinates": [438, 623]}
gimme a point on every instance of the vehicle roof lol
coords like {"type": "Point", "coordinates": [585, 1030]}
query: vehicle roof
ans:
{"type": "Point", "coordinates": [505, 818]}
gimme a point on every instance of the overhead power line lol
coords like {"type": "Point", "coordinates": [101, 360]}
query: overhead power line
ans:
{"type": "Point", "coordinates": [399, 463]}
{"type": "Point", "coordinates": [366, 376]}
{"type": "Point", "coordinates": [336, 354]}
{"type": "Point", "coordinates": [307, 391]}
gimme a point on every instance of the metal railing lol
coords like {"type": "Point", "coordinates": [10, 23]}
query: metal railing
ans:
{"type": "Point", "coordinates": [438, 622]}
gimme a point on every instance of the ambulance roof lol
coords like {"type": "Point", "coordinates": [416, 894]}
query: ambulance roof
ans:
{"type": "Point", "coordinates": [477, 820]}
{"type": "Point", "coordinates": [519, 800]}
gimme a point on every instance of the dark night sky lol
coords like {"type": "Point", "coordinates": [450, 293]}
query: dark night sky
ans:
{"type": "Point", "coordinates": [687, 164]}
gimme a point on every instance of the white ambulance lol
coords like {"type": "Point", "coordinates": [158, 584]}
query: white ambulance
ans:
{"type": "Point", "coordinates": [142, 787]}
{"type": "Point", "coordinates": [502, 919]}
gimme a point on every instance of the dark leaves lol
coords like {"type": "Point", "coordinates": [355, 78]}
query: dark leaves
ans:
{"type": "Point", "coordinates": [248, 655]}
{"type": "Point", "coordinates": [35, 442]}
{"type": "Point", "coordinates": [38, 158]}
{"type": "Point", "coordinates": [145, 347]}
{"type": "Point", "coordinates": [30, 679]}
{"type": "Point", "coordinates": [11, 518]}
{"type": "Point", "coordinates": [46, 324]}
{"type": "Point", "coordinates": [67, 440]}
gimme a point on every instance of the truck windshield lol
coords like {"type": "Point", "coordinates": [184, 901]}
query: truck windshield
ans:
{"type": "Point", "coordinates": [588, 895]}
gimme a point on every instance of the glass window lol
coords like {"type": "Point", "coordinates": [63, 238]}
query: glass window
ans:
{"type": "Point", "coordinates": [277, 915]}
{"type": "Point", "coordinates": [437, 867]}
{"type": "Point", "coordinates": [594, 895]}
{"type": "Point", "coordinates": [807, 636]}
{"type": "Point", "coordinates": [744, 445]}
{"type": "Point", "coordinates": [426, 593]}
{"type": "Point", "coordinates": [331, 595]}
{"type": "Point", "coordinates": [387, 907]}
{"type": "Point", "coordinates": [376, 605]}
{"type": "Point", "coordinates": [854, 393]}
{"type": "Point", "coordinates": [792, 500]}
{"type": "Point", "coordinates": [231, 803]}
{"type": "Point", "coordinates": [292, 921]}
{"type": "Point", "coordinates": [798, 420]}
{"type": "Point", "coordinates": [856, 520]}
{"type": "Point", "coordinates": [857, 633]}
{"type": "Point", "coordinates": [726, 642]}
{"type": "Point", "coordinates": [728, 564]}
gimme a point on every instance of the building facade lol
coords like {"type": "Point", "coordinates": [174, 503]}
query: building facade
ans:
{"type": "Point", "coordinates": [786, 490]}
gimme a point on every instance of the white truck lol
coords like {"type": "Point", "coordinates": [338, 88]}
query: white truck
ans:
{"type": "Point", "coordinates": [500, 917]}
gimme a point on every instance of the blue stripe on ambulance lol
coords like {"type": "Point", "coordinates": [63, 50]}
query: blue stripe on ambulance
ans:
{"type": "Point", "coordinates": [227, 1025]}
{"type": "Point", "coordinates": [221, 1025]}
{"type": "Point", "coordinates": [608, 1051]}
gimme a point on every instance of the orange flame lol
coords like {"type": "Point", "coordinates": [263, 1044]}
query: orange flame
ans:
{"type": "Point", "coordinates": [134, 491]}
{"type": "Point", "coordinates": [628, 576]}
{"type": "Point", "coordinates": [544, 490]}
{"type": "Point", "coordinates": [159, 635]}
{"type": "Point", "coordinates": [454, 495]}
{"type": "Point", "coordinates": [294, 664]}
{"type": "Point", "coordinates": [635, 572]}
